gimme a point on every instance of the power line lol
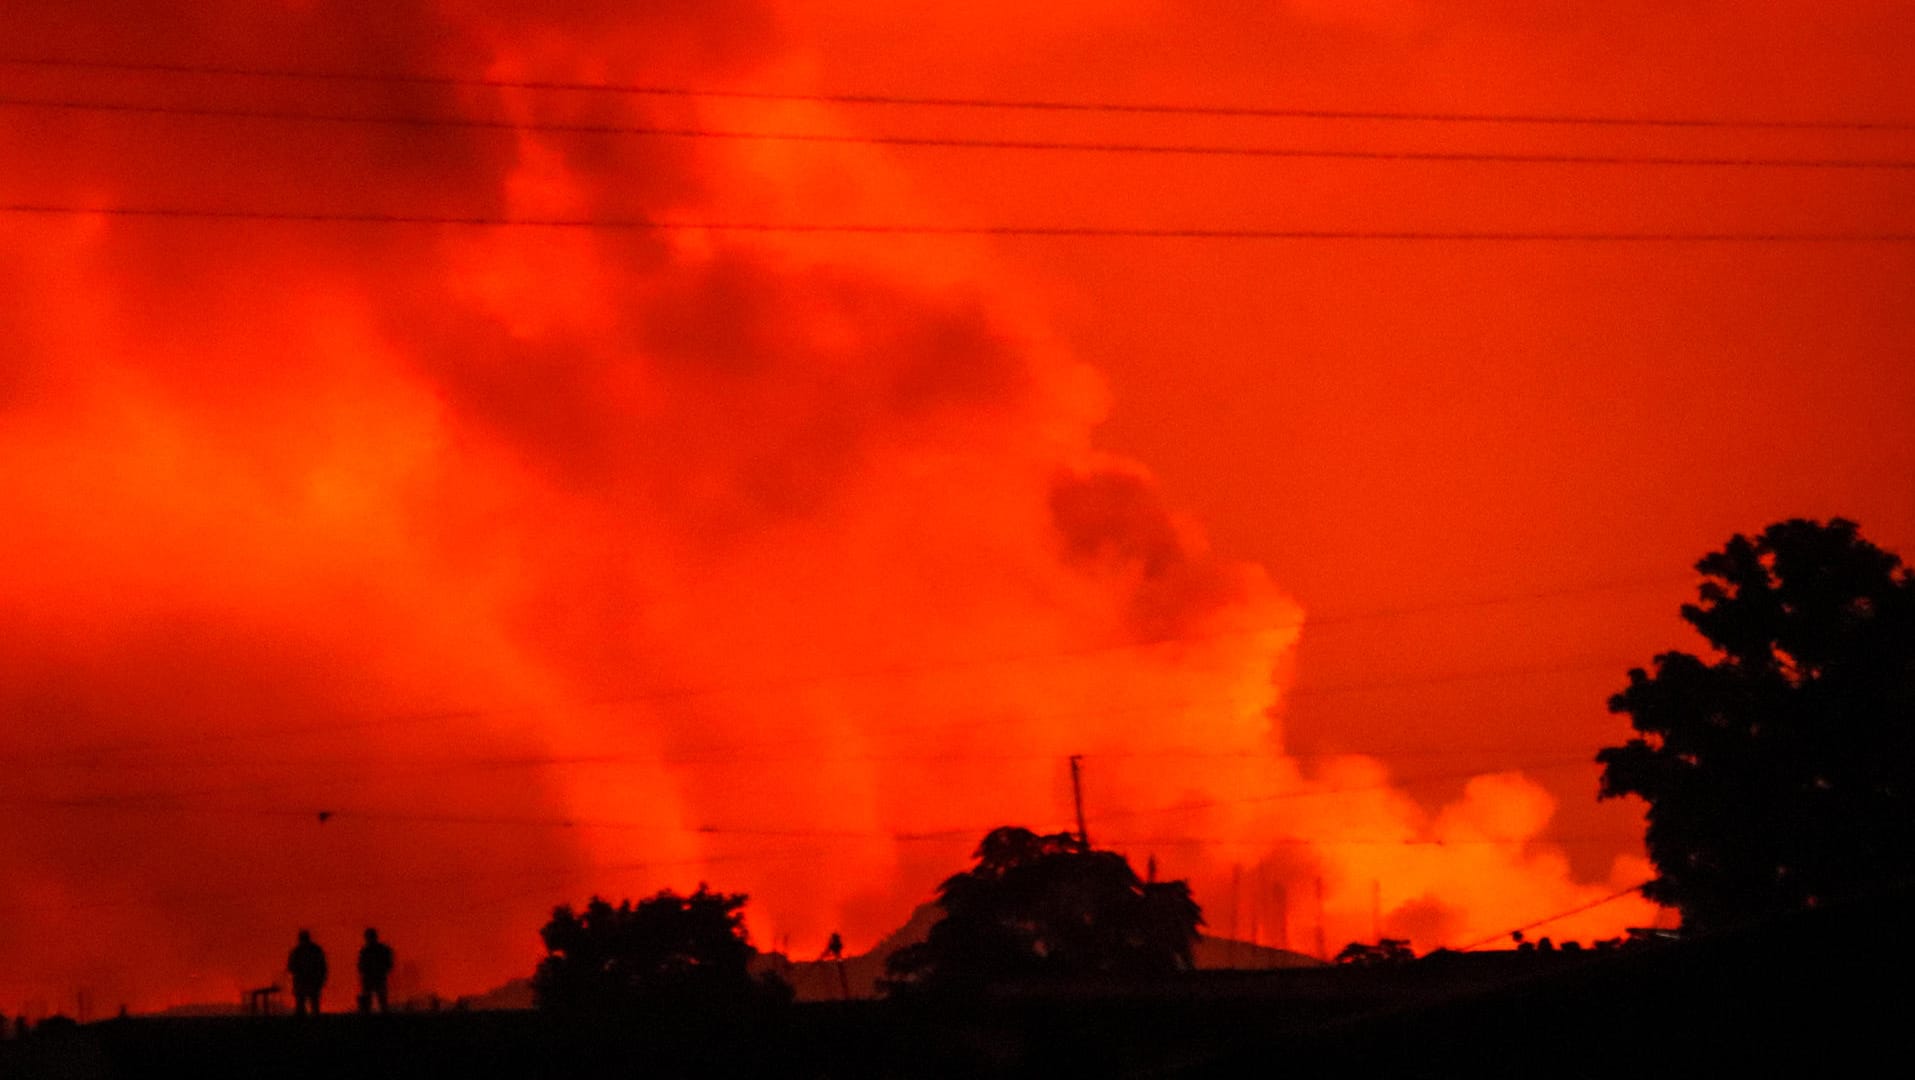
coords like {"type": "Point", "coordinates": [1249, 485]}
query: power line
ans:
{"type": "Point", "coordinates": [350, 773]}
{"type": "Point", "coordinates": [163, 213]}
{"type": "Point", "coordinates": [1366, 685]}
{"type": "Point", "coordinates": [963, 143]}
{"type": "Point", "coordinates": [1591, 906]}
{"type": "Point", "coordinates": [543, 761]}
{"type": "Point", "coordinates": [1399, 782]}
{"type": "Point", "coordinates": [1306, 841]}
{"type": "Point", "coordinates": [957, 831]}
{"type": "Point", "coordinates": [1641, 581]}
{"type": "Point", "coordinates": [734, 687]}
{"type": "Point", "coordinates": [977, 102]}
{"type": "Point", "coordinates": [326, 728]}
{"type": "Point", "coordinates": [566, 874]}
{"type": "Point", "coordinates": [347, 776]}
{"type": "Point", "coordinates": [111, 757]}
{"type": "Point", "coordinates": [158, 802]}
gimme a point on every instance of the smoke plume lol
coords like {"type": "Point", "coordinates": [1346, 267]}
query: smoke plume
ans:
{"type": "Point", "coordinates": [423, 576]}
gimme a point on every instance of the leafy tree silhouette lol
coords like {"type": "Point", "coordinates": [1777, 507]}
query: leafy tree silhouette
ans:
{"type": "Point", "coordinates": [668, 948]}
{"type": "Point", "coordinates": [1781, 772]}
{"type": "Point", "coordinates": [1046, 906]}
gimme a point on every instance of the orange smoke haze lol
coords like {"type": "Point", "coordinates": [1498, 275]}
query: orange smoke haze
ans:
{"type": "Point", "coordinates": [557, 561]}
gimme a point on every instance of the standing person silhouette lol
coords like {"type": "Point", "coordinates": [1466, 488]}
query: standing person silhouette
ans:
{"type": "Point", "coordinates": [375, 963]}
{"type": "Point", "coordinates": [307, 965]}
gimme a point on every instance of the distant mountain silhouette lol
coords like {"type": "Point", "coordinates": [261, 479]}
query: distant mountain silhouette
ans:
{"type": "Point", "coordinates": [516, 994]}
{"type": "Point", "coordinates": [1225, 954]}
{"type": "Point", "coordinates": [817, 980]}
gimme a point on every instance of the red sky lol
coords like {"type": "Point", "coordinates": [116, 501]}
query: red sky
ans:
{"type": "Point", "coordinates": [815, 541]}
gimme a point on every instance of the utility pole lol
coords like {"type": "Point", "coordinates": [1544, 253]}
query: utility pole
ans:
{"type": "Point", "coordinates": [1236, 909]}
{"type": "Point", "coordinates": [1256, 904]}
{"type": "Point", "coordinates": [1077, 797]}
{"type": "Point", "coordinates": [1282, 897]}
{"type": "Point", "coordinates": [1323, 947]}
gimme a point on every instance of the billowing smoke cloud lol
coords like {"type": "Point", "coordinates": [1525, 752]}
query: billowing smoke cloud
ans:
{"type": "Point", "coordinates": [552, 561]}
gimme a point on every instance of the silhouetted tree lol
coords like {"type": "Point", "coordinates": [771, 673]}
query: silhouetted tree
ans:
{"type": "Point", "coordinates": [666, 948]}
{"type": "Point", "coordinates": [1043, 906]}
{"type": "Point", "coordinates": [1780, 772]}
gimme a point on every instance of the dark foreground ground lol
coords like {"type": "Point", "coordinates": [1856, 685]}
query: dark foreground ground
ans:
{"type": "Point", "coordinates": [1824, 994]}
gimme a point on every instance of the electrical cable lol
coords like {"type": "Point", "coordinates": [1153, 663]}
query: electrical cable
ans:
{"type": "Point", "coordinates": [968, 102]}
{"type": "Point", "coordinates": [103, 758]}
{"type": "Point", "coordinates": [735, 687]}
{"type": "Point", "coordinates": [1417, 236]}
{"type": "Point", "coordinates": [1306, 841]}
{"type": "Point", "coordinates": [333, 887]}
{"type": "Point", "coordinates": [1493, 157]}
{"type": "Point", "coordinates": [159, 802]}
{"type": "Point", "coordinates": [1591, 906]}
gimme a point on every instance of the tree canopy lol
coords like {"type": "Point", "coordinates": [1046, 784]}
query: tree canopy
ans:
{"type": "Point", "coordinates": [1780, 771]}
{"type": "Point", "coordinates": [667, 947]}
{"type": "Point", "coordinates": [1038, 906]}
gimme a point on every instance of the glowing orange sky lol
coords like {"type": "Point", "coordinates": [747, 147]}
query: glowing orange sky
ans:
{"type": "Point", "coordinates": [814, 541]}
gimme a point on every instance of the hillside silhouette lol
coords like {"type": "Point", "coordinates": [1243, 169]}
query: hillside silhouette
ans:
{"type": "Point", "coordinates": [817, 980]}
